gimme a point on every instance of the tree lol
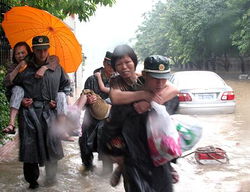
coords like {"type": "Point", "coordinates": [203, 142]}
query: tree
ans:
{"type": "Point", "coordinates": [151, 34]}
{"type": "Point", "coordinates": [62, 8]}
{"type": "Point", "coordinates": [4, 105]}
{"type": "Point", "coordinates": [203, 29]}
{"type": "Point", "coordinates": [196, 31]}
{"type": "Point", "coordinates": [241, 37]}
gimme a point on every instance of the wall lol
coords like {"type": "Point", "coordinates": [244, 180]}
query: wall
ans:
{"type": "Point", "coordinates": [234, 70]}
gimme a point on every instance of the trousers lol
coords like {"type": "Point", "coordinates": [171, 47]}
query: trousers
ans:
{"type": "Point", "coordinates": [31, 171]}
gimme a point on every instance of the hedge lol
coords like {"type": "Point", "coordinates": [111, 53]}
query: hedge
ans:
{"type": "Point", "coordinates": [4, 105]}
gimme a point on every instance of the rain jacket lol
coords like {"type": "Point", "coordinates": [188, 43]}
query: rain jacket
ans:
{"type": "Point", "coordinates": [37, 143]}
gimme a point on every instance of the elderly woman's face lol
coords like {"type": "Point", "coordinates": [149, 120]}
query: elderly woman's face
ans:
{"type": "Point", "coordinates": [125, 67]}
{"type": "Point", "coordinates": [20, 53]}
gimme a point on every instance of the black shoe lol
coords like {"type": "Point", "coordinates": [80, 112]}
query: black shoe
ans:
{"type": "Point", "coordinates": [34, 185]}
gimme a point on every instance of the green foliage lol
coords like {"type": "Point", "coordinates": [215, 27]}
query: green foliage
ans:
{"type": "Point", "coordinates": [195, 30]}
{"type": "Point", "coordinates": [4, 105]}
{"type": "Point", "coordinates": [151, 34]}
{"type": "Point", "coordinates": [62, 8]}
{"type": "Point", "coordinates": [241, 37]}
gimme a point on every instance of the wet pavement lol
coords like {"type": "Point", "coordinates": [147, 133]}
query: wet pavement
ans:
{"type": "Point", "coordinates": [229, 132]}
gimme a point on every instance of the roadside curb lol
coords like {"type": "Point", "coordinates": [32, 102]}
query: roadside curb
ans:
{"type": "Point", "coordinates": [7, 150]}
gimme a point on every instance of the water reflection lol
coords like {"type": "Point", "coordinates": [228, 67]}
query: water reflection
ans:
{"type": "Point", "coordinates": [229, 132]}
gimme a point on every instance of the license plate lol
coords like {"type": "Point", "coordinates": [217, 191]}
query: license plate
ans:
{"type": "Point", "coordinates": [206, 96]}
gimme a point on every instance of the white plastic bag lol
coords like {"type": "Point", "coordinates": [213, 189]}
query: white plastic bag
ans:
{"type": "Point", "coordinates": [190, 130]}
{"type": "Point", "coordinates": [163, 138]}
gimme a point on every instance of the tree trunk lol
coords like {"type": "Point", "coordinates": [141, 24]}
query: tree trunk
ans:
{"type": "Point", "coordinates": [227, 62]}
{"type": "Point", "coordinates": [242, 64]}
{"type": "Point", "coordinates": [200, 64]}
{"type": "Point", "coordinates": [206, 64]}
{"type": "Point", "coordinates": [213, 63]}
{"type": "Point", "coordinates": [190, 64]}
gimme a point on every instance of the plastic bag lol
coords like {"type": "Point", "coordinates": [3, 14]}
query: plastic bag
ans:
{"type": "Point", "coordinates": [190, 130]}
{"type": "Point", "coordinates": [163, 138]}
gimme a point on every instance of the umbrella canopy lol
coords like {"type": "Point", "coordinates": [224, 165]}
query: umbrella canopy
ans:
{"type": "Point", "coordinates": [23, 23]}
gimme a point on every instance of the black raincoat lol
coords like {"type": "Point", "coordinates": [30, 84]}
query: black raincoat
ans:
{"type": "Point", "coordinates": [140, 175]}
{"type": "Point", "coordinates": [37, 143]}
{"type": "Point", "coordinates": [124, 133]}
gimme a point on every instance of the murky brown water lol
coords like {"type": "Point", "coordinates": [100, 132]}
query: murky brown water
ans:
{"type": "Point", "coordinates": [229, 132]}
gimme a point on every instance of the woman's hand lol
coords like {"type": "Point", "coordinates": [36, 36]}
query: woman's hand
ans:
{"type": "Point", "coordinates": [98, 74]}
{"type": "Point", "coordinates": [91, 99]}
{"type": "Point", "coordinates": [52, 104]}
{"type": "Point", "coordinates": [40, 72]}
{"type": "Point", "coordinates": [22, 66]}
{"type": "Point", "coordinates": [26, 102]}
{"type": "Point", "coordinates": [142, 106]}
{"type": "Point", "coordinates": [158, 97]}
{"type": "Point", "coordinates": [148, 96]}
{"type": "Point", "coordinates": [165, 94]}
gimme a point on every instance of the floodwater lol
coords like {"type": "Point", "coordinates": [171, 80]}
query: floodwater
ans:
{"type": "Point", "coordinates": [229, 132]}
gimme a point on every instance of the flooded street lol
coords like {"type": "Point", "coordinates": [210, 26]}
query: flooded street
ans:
{"type": "Point", "coordinates": [229, 132]}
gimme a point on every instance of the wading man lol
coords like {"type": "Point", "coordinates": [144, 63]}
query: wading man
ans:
{"type": "Point", "coordinates": [88, 141]}
{"type": "Point", "coordinates": [125, 133]}
{"type": "Point", "coordinates": [38, 145]}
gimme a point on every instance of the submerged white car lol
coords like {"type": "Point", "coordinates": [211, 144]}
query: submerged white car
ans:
{"type": "Point", "coordinates": [203, 92]}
